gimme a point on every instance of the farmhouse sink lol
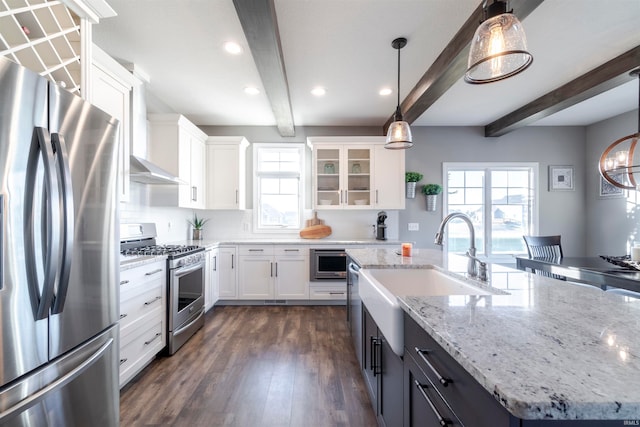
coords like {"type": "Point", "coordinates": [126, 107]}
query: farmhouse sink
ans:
{"type": "Point", "coordinates": [379, 289]}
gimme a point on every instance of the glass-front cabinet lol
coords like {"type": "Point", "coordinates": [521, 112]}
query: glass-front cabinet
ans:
{"type": "Point", "coordinates": [342, 176]}
{"type": "Point", "coordinates": [356, 172]}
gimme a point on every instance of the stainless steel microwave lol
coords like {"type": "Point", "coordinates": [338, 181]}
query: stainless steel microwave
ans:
{"type": "Point", "coordinates": [328, 264]}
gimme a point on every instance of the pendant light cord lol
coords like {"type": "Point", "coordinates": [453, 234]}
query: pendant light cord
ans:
{"type": "Point", "coordinates": [637, 72]}
{"type": "Point", "coordinates": [398, 104]}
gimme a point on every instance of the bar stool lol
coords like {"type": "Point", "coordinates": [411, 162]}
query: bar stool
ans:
{"type": "Point", "coordinates": [547, 248]}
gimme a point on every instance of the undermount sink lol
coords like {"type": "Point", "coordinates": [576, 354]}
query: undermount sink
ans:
{"type": "Point", "coordinates": [379, 289]}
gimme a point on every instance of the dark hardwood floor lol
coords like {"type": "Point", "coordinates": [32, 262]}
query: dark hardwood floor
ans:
{"type": "Point", "coordinates": [255, 366]}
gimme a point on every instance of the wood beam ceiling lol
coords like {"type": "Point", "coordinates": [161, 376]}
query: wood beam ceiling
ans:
{"type": "Point", "coordinates": [260, 26]}
{"type": "Point", "coordinates": [451, 64]}
{"type": "Point", "coordinates": [601, 79]}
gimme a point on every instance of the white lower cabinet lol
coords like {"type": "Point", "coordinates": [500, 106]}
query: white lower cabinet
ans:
{"type": "Point", "coordinates": [273, 272]}
{"type": "Point", "coordinates": [329, 290]}
{"type": "Point", "coordinates": [142, 317]}
{"type": "Point", "coordinates": [211, 279]}
{"type": "Point", "coordinates": [227, 268]}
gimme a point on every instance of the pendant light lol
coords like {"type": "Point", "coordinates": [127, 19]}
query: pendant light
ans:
{"type": "Point", "coordinates": [618, 169]}
{"type": "Point", "coordinates": [399, 132]}
{"type": "Point", "coordinates": [499, 46]}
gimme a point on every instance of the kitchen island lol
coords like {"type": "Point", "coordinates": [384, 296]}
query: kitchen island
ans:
{"type": "Point", "coordinates": [546, 350]}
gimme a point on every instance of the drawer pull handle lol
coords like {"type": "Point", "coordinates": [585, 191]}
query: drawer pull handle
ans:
{"type": "Point", "coordinates": [256, 250]}
{"type": "Point", "coordinates": [153, 300]}
{"type": "Point", "coordinates": [122, 316]}
{"type": "Point", "coordinates": [123, 360]}
{"type": "Point", "coordinates": [441, 420]}
{"type": "Point", "coordinates": [155, 337]}
{"type": "Point", "coordinates": [123, 282]}
{"type": "Point", "coordinates": [444, 381]}
{"type": "Point", "coordinates": [292, 250]}
{"type": "Point", "coordinates": [151, 273]}
{"type": "Point", "coordinates": [336, 293]}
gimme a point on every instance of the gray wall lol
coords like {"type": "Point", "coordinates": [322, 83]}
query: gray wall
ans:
{"type": "Point", "coordinates": [558, 211]}
{"type": "Point", "coordinates": [589, 224]}
{"type": "Point", "coordinates": [613, 224]}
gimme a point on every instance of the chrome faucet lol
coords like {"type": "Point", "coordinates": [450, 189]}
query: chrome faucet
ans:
{"type": "Point", "coordinates": [471, 253]}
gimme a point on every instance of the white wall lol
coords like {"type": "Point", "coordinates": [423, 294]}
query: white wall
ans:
{"type": "Point", "coordinates": [613, 224]}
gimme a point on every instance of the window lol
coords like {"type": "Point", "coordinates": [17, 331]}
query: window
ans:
{"type": "Point", "coordinates": [278, 187]}
{"type": "Point", "coordinates": [500, 199]}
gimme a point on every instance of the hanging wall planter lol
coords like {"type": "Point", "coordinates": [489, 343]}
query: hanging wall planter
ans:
{"type": "Point", "coordinates": [432, 202]}
{"type": "Point", "coordinates": [431, 192]}
{"type": "Point", "coordinates": [411, 179]}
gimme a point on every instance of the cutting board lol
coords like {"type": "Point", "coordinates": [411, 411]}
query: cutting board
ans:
{"type": "Point", "coordinates": [314, 221]}
{"type": "Point", "coordinates": [315, 232]}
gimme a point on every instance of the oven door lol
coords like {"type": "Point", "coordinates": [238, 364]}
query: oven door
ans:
{"type": "Point", "coordinates": [186, 294]}
{"type": "Point", "coordinates": [328, 264]}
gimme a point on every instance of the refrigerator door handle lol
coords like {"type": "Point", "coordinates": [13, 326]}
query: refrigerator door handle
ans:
{"type": "Point", "coordinates": [36, 397]}
{"type": "Point", "coordinates": [67, 220]}
{"type": "Point", "coordinates": [41, 148]}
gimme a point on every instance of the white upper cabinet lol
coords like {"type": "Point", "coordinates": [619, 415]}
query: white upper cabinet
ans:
{"type": "Point", "coordinates": [356, 173]}
{"type": "Point", "coordinates": [388, 178]}
{"type": "Point", "coordinates": [226, 172]}
{"type": "Point", "coordinates": [177, 145]}
{"type": "Point", "coordinates": [111, 86]}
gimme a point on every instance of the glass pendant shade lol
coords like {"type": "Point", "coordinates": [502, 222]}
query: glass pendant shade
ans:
{"type": "Point", "coordinates": [399, 136]}
{"type": "Point", "coordinates": [498, 50]}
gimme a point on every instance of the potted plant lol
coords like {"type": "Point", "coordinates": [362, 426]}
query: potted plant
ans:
{"type": "Point", "coordinates": [198, 225]}
{"type": "Point", "coordinates": [411, 179]}
{"type": "Point", "coordinates": [431, 191]}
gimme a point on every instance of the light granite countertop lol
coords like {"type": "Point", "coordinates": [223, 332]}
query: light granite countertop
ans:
{"type": "Point", "coordinates": [546, 350]}
{"type": "Point", "coordinates": [210, 243]}
{"type": "Point", "coordinates": [129, 262]}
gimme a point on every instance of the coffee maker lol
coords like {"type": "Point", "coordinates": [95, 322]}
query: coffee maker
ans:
{"type": "Point", "coordinates": [381, 228]}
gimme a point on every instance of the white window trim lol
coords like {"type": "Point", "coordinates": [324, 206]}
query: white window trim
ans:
{"type": "Point", "coordinates": [301, 188]}
{"type": "Point", "coordinates": [535, 182]}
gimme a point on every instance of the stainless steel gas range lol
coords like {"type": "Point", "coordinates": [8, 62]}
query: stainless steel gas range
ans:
{"type": "Point", "coordinates": [185, 279]}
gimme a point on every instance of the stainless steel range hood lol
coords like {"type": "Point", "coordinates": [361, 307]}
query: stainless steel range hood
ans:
{"type": "Point", "coordinates": [146, 172]}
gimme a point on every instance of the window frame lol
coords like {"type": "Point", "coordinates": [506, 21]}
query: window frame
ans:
{"type": "Point", "coordinates": [487, 167]}
{"type": "Point", "coordinates": [300, 148]}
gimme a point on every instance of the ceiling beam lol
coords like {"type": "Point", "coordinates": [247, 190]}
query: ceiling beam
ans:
{"type": "Point", "coordinates": [601, 79]}
{"type": "Point", "coordinates": [260, 26]}
{"type": "Point", "coordinates": [451, 64]}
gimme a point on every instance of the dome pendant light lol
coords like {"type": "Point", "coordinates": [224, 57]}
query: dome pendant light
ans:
{"type": "Point", "coordinates": [498, 48]}
{"type": "Point", "coordinates": [399, 133]}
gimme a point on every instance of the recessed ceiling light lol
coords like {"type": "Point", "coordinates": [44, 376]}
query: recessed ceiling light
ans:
{"type": "Point", "coordinates": [251, 90]}
{"type": "Point", "coordinates": [385, 91]}
{"type": "Point", "coordinates": [233, 48]}
{"type": "Point", "coordinates": [318, 91]}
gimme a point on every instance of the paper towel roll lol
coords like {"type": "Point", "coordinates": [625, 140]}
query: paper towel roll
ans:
{"type": "Point", "coordinates": [635, 253]}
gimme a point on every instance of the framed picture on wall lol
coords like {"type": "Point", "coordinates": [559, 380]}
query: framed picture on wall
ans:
{"type": "Point", "coordinates": [607, 190]}
{"type": "Point", "coordinates": [561, 178]}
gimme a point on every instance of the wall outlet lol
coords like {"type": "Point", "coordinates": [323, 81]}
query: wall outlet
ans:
{"type": "Point", "coordinates": [414, 226]}
{"type": "Point", "coordinates": [245, 226]}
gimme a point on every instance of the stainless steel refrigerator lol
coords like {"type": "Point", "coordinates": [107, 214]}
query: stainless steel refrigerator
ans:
{"type": "Point", "coordinates": [59, 256]}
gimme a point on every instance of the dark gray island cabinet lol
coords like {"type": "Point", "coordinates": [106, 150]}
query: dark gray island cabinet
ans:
{"type": "Point", "coordinates": [382, 371]}
{"type": "Point", "coordinates": [438, 391]}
